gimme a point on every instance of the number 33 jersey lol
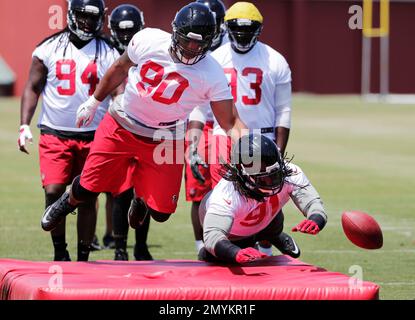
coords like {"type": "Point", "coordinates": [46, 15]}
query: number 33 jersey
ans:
{"type": "Point", "coordinates": [160, 92]}
{"type": "Point", "coordinates": [261, 86]}
{"type": "Point", "coordinates": [72, 77]}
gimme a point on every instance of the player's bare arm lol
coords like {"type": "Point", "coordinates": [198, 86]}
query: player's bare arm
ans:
{"type": "Point", "coordinates": [114, 77]}
{"type": "Point", "coordinates": [111, 83]}
{"type": "Point", "coordinates": [33, 89]}
{"type": "Point", "coordinates": [308, 201]}
{"type": "Point", "coordinates": [228, 118]}
{"type": "Point", "coordinates": [118, 90]}
{"type": "Point", "coordinates": [282, 134]}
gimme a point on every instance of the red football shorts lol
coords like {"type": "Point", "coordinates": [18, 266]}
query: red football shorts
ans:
{"type": "Point", "coordinates": [195, 191]}
{"type": "Point", "coordinates": [222, 146]}
{"type": "Point", "coordinates": [61, 160]}
{"type": "Point", "coordinates": [119, 160]}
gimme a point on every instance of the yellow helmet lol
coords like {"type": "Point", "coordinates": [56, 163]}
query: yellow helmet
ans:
{"type": "Point", "coordinates": [244, 10]}
{"type": "Point", "coordinates": [244, 24]}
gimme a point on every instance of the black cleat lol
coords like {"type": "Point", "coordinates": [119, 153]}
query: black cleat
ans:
{"type": "Point", "coordinates": [95, 246]}
{"type": "Point", "coordinates": [108, 241]}
{"type": "Point", "coordinates": [54, 214]}
{"type": "Point", "coordinates": [141, 253]}
{"type": "Point", "coordinates": [137, 213]}
{"type": "Point", "coordinates": [287, 245]}
{"type": "Point", "coordinates": [121, 255]}
{"type": "Point", "coordinates": [62, 256]}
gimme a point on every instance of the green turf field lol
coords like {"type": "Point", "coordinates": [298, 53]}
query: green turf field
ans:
{"type": "Point", "coordinates": [359, 156]}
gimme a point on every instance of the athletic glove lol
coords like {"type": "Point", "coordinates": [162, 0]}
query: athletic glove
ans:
{"type": "Point", "coordinates": [307, 226]}
{"type": "Point", "coordinates": [24, 134]}
{"type": "Point", "coordinates": [86, 112]}
{"type": "Point", "coordinates": [249, 254]}
{"type": "Point", "coordinates": [195, 161]}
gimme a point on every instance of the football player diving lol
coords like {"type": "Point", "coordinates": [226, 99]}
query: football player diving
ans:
{"type": "Point", "coordinates": [244, 207]}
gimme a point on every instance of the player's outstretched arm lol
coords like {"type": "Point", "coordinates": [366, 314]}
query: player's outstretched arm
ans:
{"type": "Point", "coordinates": [228, 118]}
{"type": "Point", "coordinates": [110, 84]}
{"type": "Point", "coordinates": [309, 203]}
{"type": "Point", "coordinates": [33, 89]}
{"type": "Point", "coordinates": [114, 77]}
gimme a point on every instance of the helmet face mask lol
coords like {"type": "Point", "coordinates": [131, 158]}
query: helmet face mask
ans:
{"type": "Point", "coordinates": [123, 36]}
{"type": "Point", "coordinates": [86, 18]}
{"type": "Point", "coordinates": [124, 22]}
{"type": "Point", "coordinates": [243, 34]}
{"type": "Point", "coordinates": [259, 165]}
{"type": "Point", "coordinates": [193, 32]}
{"type": "Point", "coordinates": [268, 183]}
{"type": "Point", "coordinates": [189, 48]}
{"type": "Point", "coordinates": [218, 9]}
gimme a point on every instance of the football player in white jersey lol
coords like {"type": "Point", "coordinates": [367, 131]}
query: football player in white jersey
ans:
{"type": "Point", "coordinates": [260, 79]}
{"type": "Point", "coordinates": [197, 185]}
{"type": "Point", "coordinates": [65, 70]}
{"type": "Point", "coordinates": [124, 22]}
{"type": "Point", "coordinates": [245, 206]}
{"type": "Point", "coordinates": [139, 142]}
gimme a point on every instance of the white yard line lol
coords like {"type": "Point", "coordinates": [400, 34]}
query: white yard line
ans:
{"type": "Point", "coordinates": [360, 251]}
{"type": "Point", "coordinates": [411, 283]}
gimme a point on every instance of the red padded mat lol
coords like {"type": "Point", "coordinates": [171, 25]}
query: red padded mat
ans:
{"type": "Point", "coordinates": [276, 278]}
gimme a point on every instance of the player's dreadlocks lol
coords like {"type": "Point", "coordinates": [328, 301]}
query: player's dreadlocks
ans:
{"type": "Point", "coordinates": [230, 172]}
{"type": "Point", "coordinates": [63, 36]}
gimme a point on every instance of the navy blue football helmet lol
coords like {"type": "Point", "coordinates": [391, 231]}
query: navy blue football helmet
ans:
{"type": "Point", "coordinates": [219, 10]}
{"type": "Point", "coordinates": [124, 22]}
{"type": "Point", "coordinates": [86, 18]}
{"type": "Point", "coordinates": [193, 31]}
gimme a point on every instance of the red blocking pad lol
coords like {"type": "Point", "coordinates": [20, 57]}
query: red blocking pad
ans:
{"type": "Point", "coordinates": [275, 278]}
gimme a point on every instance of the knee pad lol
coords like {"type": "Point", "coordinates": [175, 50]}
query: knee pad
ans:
{"type": "Point", "coordinates": [80, 193]}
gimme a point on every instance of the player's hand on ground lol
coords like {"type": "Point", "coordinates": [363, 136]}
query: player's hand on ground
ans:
{"type": "Point", "coordinates": [249, 254]}
{"type": "Point", "coordinates": [24, 135]}
{"type": "Point", "coordinates": [307, 226]}
{"type": "Point", "coordinates": [86, 112]}
{"type": "Point", "coordinates": [196, 161]}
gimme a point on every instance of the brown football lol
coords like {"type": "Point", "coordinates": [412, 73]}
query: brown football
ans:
{"type": "Point", "coordinates": [362, 230]}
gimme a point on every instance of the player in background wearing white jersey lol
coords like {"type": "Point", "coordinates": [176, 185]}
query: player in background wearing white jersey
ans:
{"type": "Point", "coordinates": [245, 206]}
{"type": "Point", "coordinates": [124, 22]}
{"type": "Point", "coordinates": [139, 142]}
{"type": "Point", "coordinates": [260, 79]}
{"type": "Point", "coordinates": [198, 183]}
{"type": "Point", "coordinates": [65, 70]}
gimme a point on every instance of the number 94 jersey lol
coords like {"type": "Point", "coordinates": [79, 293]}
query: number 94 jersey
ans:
{"type": "Point", "coordinates": [72, 77]}
{"type": "Point", "coordinates": [260, 81]}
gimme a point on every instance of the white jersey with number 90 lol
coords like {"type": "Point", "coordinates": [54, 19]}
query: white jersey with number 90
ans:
{"type": "Point", "coordinates": [160, 91]}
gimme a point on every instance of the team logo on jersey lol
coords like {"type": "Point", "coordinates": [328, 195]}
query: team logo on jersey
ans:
{"type": "Point", "coordinates": [174, 199]}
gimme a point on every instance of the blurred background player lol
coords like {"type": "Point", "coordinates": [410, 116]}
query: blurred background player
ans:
{"type": "Point", "coordinates": [140, 141]}
{"type": "Point", "coordinates": [245, 206]}
{"type": "Point", "coordinates": [260, 79]}
{"type": "Point", "coordinates": [199, 184]}
{"type": "Point", "coordinates": [124, 22]}
{"type": "Point", "coordinates": [66, 68]}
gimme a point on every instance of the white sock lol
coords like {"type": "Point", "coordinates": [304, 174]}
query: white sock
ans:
{"type": "Point", "coordinates": [267, 251]}
{"type": "Point", "coordinates": [199, 245]}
